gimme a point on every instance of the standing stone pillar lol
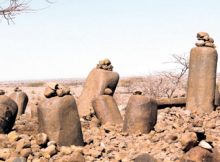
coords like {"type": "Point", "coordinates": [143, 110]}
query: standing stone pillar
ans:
{"type": "Point", "coordinates": [106, 110]}
{"type": "Point", "coordinates": [202, 75]}
{"type": "Point", "coordinates": [58, 117]}
{"type": "Point", "coordinates": [8, 113]}
{"type": "Point", "coordinates": [140, 114]}
{"type": "Point", "coordinates": [99, 80]}
{"type": "Point", "coordinates": [21, 99]}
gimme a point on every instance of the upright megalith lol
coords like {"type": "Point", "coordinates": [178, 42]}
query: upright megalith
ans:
{"type": "Point", "coordinates": [99, 81]}
{"type": "Point", "coordinates": [140, 114]}
{"type": "Point", "coordinates": [202, 75]}
{"type": "Point", "coordinates": [21, 99]}
{"type": "Point", "coordinates": [8, 113]}
{"type": "Point", "coordinates": [106, 110]}
{"type": "Point", "coordinates": [58, 117]}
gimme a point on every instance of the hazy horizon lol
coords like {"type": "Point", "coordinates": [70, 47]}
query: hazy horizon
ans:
{"type": "Point", "coordinates": [66, 39]}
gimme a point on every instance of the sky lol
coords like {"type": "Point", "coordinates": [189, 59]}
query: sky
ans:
{"type": "Point", "coordinates": [66, 39]}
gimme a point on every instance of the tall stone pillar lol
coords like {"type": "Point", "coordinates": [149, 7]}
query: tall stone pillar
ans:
{"type": "Point", "coordinates": [202, 75]}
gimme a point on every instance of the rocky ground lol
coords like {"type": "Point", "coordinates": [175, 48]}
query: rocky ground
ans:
{"type": "Point", "coordinates": [177, 134]}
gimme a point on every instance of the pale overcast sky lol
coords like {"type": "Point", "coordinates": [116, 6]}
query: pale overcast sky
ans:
{"type": "Point", "coordinates": [67, 39]}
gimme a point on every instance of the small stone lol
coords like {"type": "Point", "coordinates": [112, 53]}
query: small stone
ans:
{"type": "Point", "coordinates": [206, 38]}
{"type": "Point", "coordinates": [197, 154]}
{"type": "Point", "coordinates": [41, 139]}
{"type": "Point", "coordinates": [188, 140]}
{"type": "Point", "coordinates": [209, 44]}
{"type": "Point", "coordinates": [4, 153]}
{"type": "Point", "coordinates": [65, 150]}
{"type": "Point", "coordinates": [13, 136]}
{"type": "Point", "coordinates": [62, 90]}
{"type": "Point", "coordinates": [144, 158]}
{"type": "Point", "coordinates": [49, 151]}
{"type": "Point", "coordinates": [200, 43]}
{"type": "Point", "coordinates": [22, 143]}
{"type": "Point", "coordinates": [42, 159]}
{"type": "Point", "coordinates": [25, 152]}
{"type": "Point", "coordinates": [51, 143]}
{"type": "Point", "coordinates": [108, 91]}
{"type": "Point", "coordinates": [106, 61]}
{"type": "Point", "coordinates": [211, 40]}
{"type": "Point", "coordinates": [49, 92]}
{"type": "Point", "coordinates": [202, 34]}
{"type": "Point", "coordinates": [205, 145]}
{"type": "Point", "coordinates": [76, 148]}
{"type": "Point", "coordinates": [18, 159]}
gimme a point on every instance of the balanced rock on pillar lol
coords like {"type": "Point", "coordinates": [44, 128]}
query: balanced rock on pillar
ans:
{"type": "Point", "coordinates": [8, 113]}
{"type": "Point", "coordinates": [100, 80]}
{"type": "Point", "coordinates": [140, 114]}
{"type": "Point", "coordinates": [21, 99]}
{"type": "Point", "coordinates": [58, 117]}
{"type": "Point", "coordinates": [202, 77]}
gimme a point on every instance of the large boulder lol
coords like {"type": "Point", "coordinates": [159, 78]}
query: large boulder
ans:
{"type": "Point", "coordinates": [96, 84]}
{"type": "Point", "coordinates": [58, 117]}
{"type": "Point", "coordinates": [140, 114]}
{"type": "Point", "coordinates": [8, 113]}
{"type": "Point", "coordinates": [106, 110]}
{"type": "Point", "coordinates": [21, 99]}
{"type": "Point", "coordinates": [198, 154]}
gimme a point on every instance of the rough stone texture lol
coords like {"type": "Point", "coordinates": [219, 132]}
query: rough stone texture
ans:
{"type": "Point", "coordinates": [202, 80]}
{"type": "Point", "coordinates": [58, 117]}
{"type": "Point", "coordinates": [96, 83]}
{"type": "Point", "coordinates": [33, 107]}
{"type": "Point", "coordinates": [217, 96]}
{"type": "Point", "coordinates": [188, 140]}
{"type": "Point", "coordinates": [54, 89]}
{"type": "Point", "coordinates": [8, 112]}
{"type": "Point", "coordinates": [105, 64]}
{"type": "Point", "coordinates": [204, 40]}
{"type": "Point", "coordinates": [170, 102]}
{"type": "Point", "coordinates": [106, 110]}
{"type": "Point", "coordinates": [145, 158]}
{"type": "Point", "coordinates": [197, 154]}
{"type": "Point", "coordinates": [140, 115]}
{"type": "Point", "coordinates": [21, 99]}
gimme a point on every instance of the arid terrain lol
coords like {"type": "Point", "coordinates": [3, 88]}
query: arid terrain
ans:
{"type": "Point", "coordinates": [176, 132]}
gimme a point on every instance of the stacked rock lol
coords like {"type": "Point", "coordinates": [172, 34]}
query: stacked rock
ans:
{"type": "Point", "coordinates": [105, 65]}
{"type": "Point", "coordinates": [100, 81]}
{"type": "Point", "coordinates": [55, 89]}
{"type": "Point", "coordinates": [202, 76]}
{"type": "Point", "coordinates": [204, 40]}
{"type": "Point", "coordinates": [58, 116]}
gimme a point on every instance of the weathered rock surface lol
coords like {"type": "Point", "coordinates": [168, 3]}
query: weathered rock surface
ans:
{"type": "Point", "coordinates": [8, 113]}
{"type": "Point", "coordinates": [21, 99]}
{"type": "Point", "coordinates": [202, 80]}
{"type": "Point", "coordinates": [140, 115]}
{"type": "Point", "coordinates": [106, 110]}
{"type": "Point", "coordinates": [96, 84]}
{"type": "Point", "coordinates": [58, 117]}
